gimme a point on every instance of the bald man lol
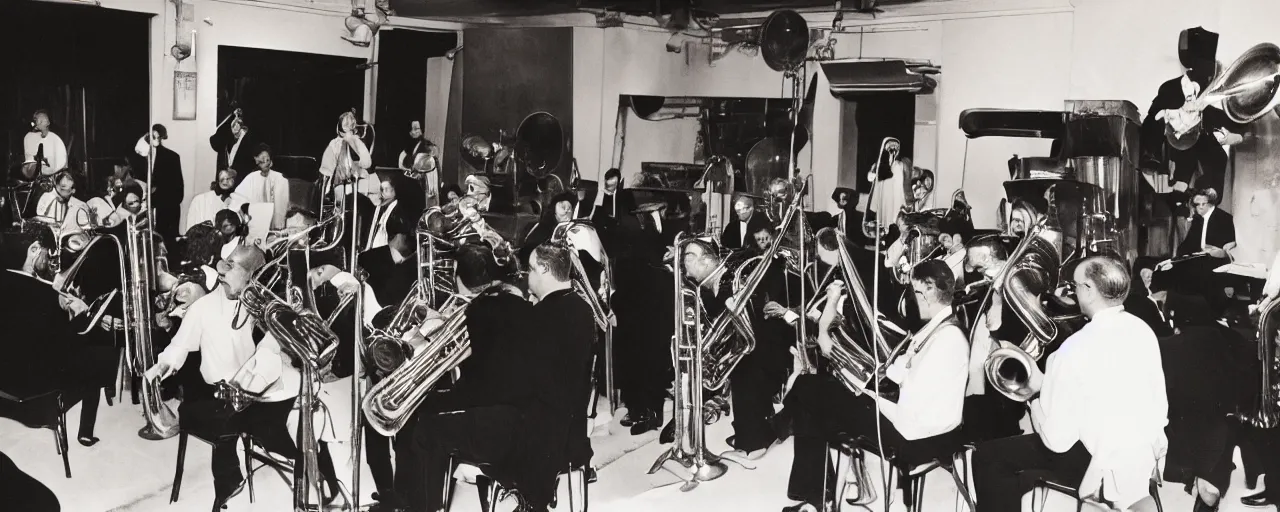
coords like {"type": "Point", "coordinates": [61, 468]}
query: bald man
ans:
{"type": "Point", "coordinates": [737, 233]}
{"type": "Point", "coordinates": [222, 330]}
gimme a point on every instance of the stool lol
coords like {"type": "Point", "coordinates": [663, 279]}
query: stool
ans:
{"type": "Point", "coordinates": [182, 456]}
{"type": "Point", "coordinates": [491, 491]}
{"type": "Point", "coordinates": [911, 477]}
{"type": "Point", "coordinates": [1044, 486]}
{"type": "Point", "coordinates": [57, 422]}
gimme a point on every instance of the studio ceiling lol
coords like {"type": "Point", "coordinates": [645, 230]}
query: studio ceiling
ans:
{"type": "Point", "coordinates": [511, 8]}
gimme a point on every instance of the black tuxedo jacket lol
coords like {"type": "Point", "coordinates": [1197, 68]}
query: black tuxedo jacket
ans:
{"type": "Point", "coordinates": [732, 237]}
{"type": "Point", "coordinates": [1169, 97]}
{"type": "Point", "coordinates": [389, 280]}
{"type": "Point", "coordinates": [222, 141]}
{"type": "Point", "coordinates": [1222, 231]}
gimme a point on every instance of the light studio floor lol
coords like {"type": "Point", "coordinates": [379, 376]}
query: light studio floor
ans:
{"type": "Point", "coordinates": [126, 473]}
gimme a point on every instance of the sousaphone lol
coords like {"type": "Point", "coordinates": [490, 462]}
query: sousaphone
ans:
{"type": "Point", "coordinates": [1248, 89]}
{"type": "Point", "coordinates": [540, 144]}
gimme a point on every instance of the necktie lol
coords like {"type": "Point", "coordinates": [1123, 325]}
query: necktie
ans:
{"type": "Point", "coordinates": [377, 224]}
{"type": "Point", "coordinates": [1204, 229]}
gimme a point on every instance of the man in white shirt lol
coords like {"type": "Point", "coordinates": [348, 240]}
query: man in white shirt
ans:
{"type": "Point", "coordinates": [43, 147]}
{"type": "Point", "coordinates": [267, 186]}
{"type": "Point", "coordinates": [989, 414]}
{"type": "Point", "coordinates": [922, 423]}
{"type": "Point", "coordinates": [220, 196]}
{"type": "Point", "coordinates": [222, 330]}
{"type": "Point", "coordinates": [1101, 410]}
{"type": "Point", "coordinates": [334, 163]}
{"type": "Point", "coordinates": [61, 207]}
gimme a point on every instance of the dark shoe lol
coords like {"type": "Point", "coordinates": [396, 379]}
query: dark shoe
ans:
{"type": "Point", "coordinates": [591, 475]}
{"type": "Point", "coordinates": [731, 441]}
{"type": "Point", "coordinates": [668, 434]}
{"type": "Point", "coordinates": [801, 507]}
{"type": "Point", "coordinates": [627, 420]}
{"type": "Point", "coordinates": [782, 425]}
{"type": "Point", "coordinates": [1250, 479]}
{"type": "Point", "coordinates": [1201, 506]}
{"type": "Point", "coordinates": [88, 440]}
{"type": "Point", "coordinates": [647, 422]}
{"type": "Point", "coordinates": [1256, 500]}
{"type": "Point", "coordinates": [220, 501]}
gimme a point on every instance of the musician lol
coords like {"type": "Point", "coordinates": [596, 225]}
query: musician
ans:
{"type": "Point", "coordinates": [222, 330]}
{"type": "Point", "coordinates": [604, 207]}
{"type": "Point", "coordinates": [1090, 432]}
{"type": "Point", "coordinates": [889, 196]}
{"type": "Point", "coordinates": [332, 162]}
{"type": "Point", "coordinates": [126, 202]}
{"type": "Point", "coordinates": [1197, 49]}
{"type": "Point", "coordinates": [397, 196]}
{"type": "Point", "coordinates": [234, 146]}
{"type": "Point", "coordinates": [489, 414]}
{"type": "Point", "coordinates": [61, 205]}
{"type": "Point", "coordinates": [44, 148]}
{"type": "Point", "coordinates": [167, 187]}
{"type": "Point", "coordinates": [737, 234]}
{"type": "Point", "coordinates": [954, 233]}
{"type": "Point", "coordinates": [989, 414]}
{"type": "Point", "coordinates": [760, 374]}
{"type": "Point", "coordinates": [220, 196]}
{"type": "Point", "coordinates": [417, 144]}
{"type": "Point", "coordinates": [930, 375]}
{"type": "Point", "coordinates": [1212, 236]}
{"type": "Point", "coordinates": [1211, 371]}
{"type": "Point", "coordinates": [559, 210]}
{"type": "Point", "coordinates": [1144, 302]}
{"type": "Point", "coordinates": [849, 219]}
{"type": "Point", "coordinates": [101, 206]}
{"type": "Point", "coordinates": [266, 185]}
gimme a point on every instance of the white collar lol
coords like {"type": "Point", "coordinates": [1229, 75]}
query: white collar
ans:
{"type": "Point", "coordinates": [395, 255]}
{"type": "Point", "coordinates": [936, 321]}
{"type": "Point", "coordinates": [1209, 213]}
{"type": "Point", "coordinates": [1113, 310]}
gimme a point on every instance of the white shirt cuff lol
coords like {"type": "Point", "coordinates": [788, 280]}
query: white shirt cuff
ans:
{"type": "Point", "coordinates": [790, 317]}
{"type": "Point", "coordinates": [342, 279]}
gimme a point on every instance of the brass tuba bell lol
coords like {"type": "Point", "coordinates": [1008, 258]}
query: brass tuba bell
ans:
{"type": "Point", "coordinates": [1248, 89]}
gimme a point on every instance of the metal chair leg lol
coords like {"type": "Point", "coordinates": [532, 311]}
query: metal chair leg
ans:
{"type": "Point", "coordinates": [248, 464]}
{"type": "Point", "coordinates": [177, 472]}
{"type": "Point", "coordinates": [448, 483]}
{"type": "Point", "coordinates": [62, 437]}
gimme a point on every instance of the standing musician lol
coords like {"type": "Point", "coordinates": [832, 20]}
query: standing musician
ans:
{"type": "Point", "coordinates": [234, 146]}
{"type": "Point", "coordinates": [357, 153]}
{"type": "Point", "coordinates": [737, 234]}
{"type": "Point", "coordinates": [498, 412]}
{"type": "Point", "coordinates": [645, 312]}
{"type": "Point", "coordinates": [266, 185]}
{"type": "Point", "coordinates": [43, 149]}
{"type": "Point", "coordinates": [989, 414]}
{"type": "Point", "coordinates": [1103, 436]}
{"type": "Point", "coordinates": [558, 210]}
{"type": "Point", "coordinates": [222, 330]}
{"type": "Point", "coordinates": [1209, 241]}
{"type": "Point", "coordinates": [760, 374]}
{"type": "Point", "coordinates": [930, 374]}
{"type": "Point", "coordinates": [167, 185]}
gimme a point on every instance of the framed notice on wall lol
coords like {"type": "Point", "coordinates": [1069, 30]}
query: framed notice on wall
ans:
{"type": "Point", "coordinates": [184, 95]}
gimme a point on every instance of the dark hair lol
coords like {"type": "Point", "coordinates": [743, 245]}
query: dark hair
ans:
{"type": "Point", "coordinates": [1109, 275]}
{"type": "Point", "coordinates": [612, 173]}
{"type": "Point", "coordinates": [994, 243]}
{"type": "Point", "coordinates": [64, 174]}
{"type": "Point", "coordinates": [708, 249]}
{"type": "Point", "coordinates": [203, 243]}
{"type": "Point", "coordinates": [160, 130]}
{"type": "Point", "coordinates": [263, 148]}
{"type": "Point", "coordinates": [129, 188]}
{"type": "Point", "coordinates": [213, 185]}
{"type": "Point", "coordinates": [936, 273]}
{"type": "Point", "coordinates": [764, 226]}
{"type": "Point", "coordinates": [39, 112]}
{"type": "Point", "coordinates": [1208, 193]}
{"type": "Point", "coordinates": [829, 238]}
{"type": "Point", "coordinates": [475, 265]}
{"type": "Point", "coordinates": [224, 215]}
{"type": "Point", "coordinates": [556, 257]}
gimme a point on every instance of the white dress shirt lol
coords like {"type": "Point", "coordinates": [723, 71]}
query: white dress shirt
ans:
{"type": "Point", "coordinates": [931, 377]}
{"type": "Point", "coordinates": [73, 215]}
{"type": "Point", "coordinates": [1273, 278]}
{"type": "Point", "coordinates": [1204, 226]}
{"type": "Point", "coordinates": [1105, 388]}
{"type": "Point", "coordinates": [55, 151]}
{"type": "Point", "coordinates": [208, 326]}
{"type": "Point", "coordinates": [378, 235]}
{"type": "Point", "coordinates": [368, 184]}
{"type": "Point", "coordinates": [205, 206]}
{"type": "Point", "coordinates": [272, 188]}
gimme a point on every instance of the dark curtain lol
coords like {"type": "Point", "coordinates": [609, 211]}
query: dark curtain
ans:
{"type": "Point", "coordinates": [879, 116]}
{"type": "Point", "coordinates": [291, 101]}
{"type": "Point", "coordinates": [88, 67]}
{"type": "Point", "coordinates": [402, 86]}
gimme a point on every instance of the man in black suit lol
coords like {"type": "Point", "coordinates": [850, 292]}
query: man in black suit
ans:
{"type": "Point", "coordinates": [167, 186]}
{"type": "Point", "coordinates": [737, 234]}
{"type": "Point", "coordinates": [234, 147]}
{"type": "Point", "coordinates": [615, 202]}
{"type": "Point", "coordinates": [1197, 49]}
{"type": "Point", "coordinates": [1212, 235]}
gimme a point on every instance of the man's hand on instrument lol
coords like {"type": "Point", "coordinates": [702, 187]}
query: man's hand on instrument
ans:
{"type": "Point", "coordinates": [774, 310]}
{"type": "Point", "coordinates": [1215, 251]}
{"type": "Point", "coordinates": [835, 290]}
{"type": "Point", "coordinates": [72, 305]}
{"type": "Point", "coordinates": [1164, 265]}
{"type": "Point", "coordinates": [159, 371]}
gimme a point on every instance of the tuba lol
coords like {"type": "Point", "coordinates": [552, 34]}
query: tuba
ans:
{"type": "Point", "coordinates": [391, 403]}
{"type": "Point", "coordinates": [162, 422]}
{"type": "Point", "coordinates": [1247, 89]}
{"type": "Point", "coordinates": [1031, 271]}
{"type": "Point", "coordinates": [387, 345]}
{"type": "Point", "coordinates": [581, 236]}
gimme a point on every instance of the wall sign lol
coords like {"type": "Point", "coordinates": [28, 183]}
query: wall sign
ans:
{"type": "Point", "coordinates": [184, 95]}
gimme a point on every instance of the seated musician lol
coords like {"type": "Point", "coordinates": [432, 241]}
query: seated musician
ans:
{"type": "Point", "coordinates": [528, 366]}
{"type": "Point", "coordinates": [1144, 302]}
{"type": "Point", "coordinates": [221, 195]}
{"type": "Point", "coordinates": [399, 195]}
{"type": "Point", "coordinates": [1102, 436]}
{"type": "Point", "coordinates": [266, 185]}
{"type": "Point", "coordinates": [761, 373]}
{"type": "Point", "coordinates": [954, 233]}
{"type": "Point", "coordinates": [558, 210]}
{"type": "Point", "coordinates": [612, 203]}
{"type": "Point", "coordinates": [222, 330]}
{"type": "Point", "coordinates": [1211, 237]}
{"type": "Point", "coordinates": [737, 232]}
{"type": "Point", "coordinates": [930, 374]}
{"type": "Point", "coordinates": [1211, 372]}
{"type": "Point", "coordinates": [989, 414]}
{"type": "Point", "coordinates": [60, 206]}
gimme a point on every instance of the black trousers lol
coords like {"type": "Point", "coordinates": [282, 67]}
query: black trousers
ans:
{"type": "Point", "coordinates": [1201, 447]}
{"type": "Point", "coordinates": [407, 472]}
{"type": "Point", "coordinates": [1005, 469]}
{"type": "Point", "coordinates": [823, 409]}
{"type": "Point", "coordinates": [642, 339]}
{"type": "Point", "coordinates": [479, 435]}
{"type": "Point", "coordinates": [752, 386]}
{"type": "Point", "coordinates": [1206, 156]}
{"type": "Point", "coordinates": [991, 416]}
{"type": "Point", "coordinates": [212, 419]}
{"type": "Point", "coordinates": [1265, 443]}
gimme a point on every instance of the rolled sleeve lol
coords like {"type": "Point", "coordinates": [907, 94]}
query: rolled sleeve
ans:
{"type": "Point", "coordinates": [932, 398]}
{"type": "Point", "coordinates": [185, 341]}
